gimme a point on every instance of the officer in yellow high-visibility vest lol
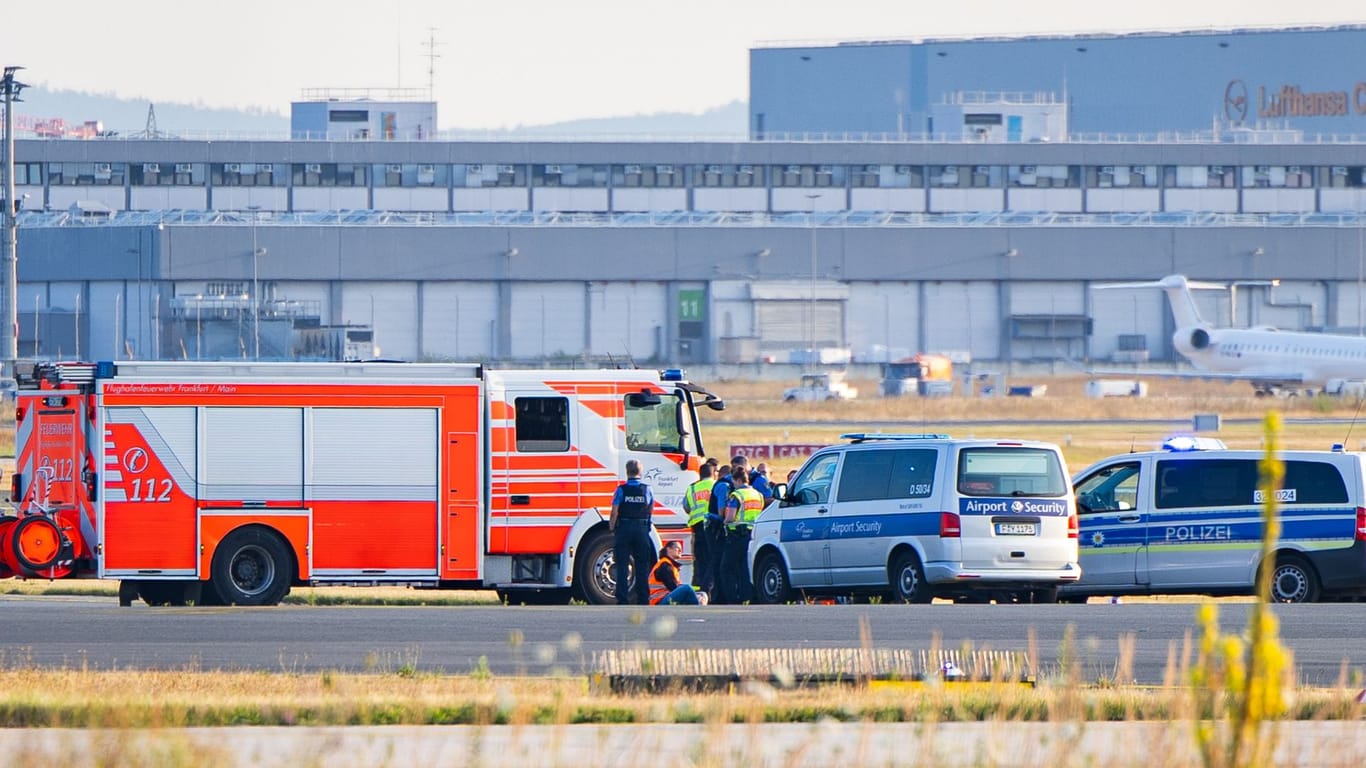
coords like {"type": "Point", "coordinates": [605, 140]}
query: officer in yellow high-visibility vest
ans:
{"type": "Point", "coordinates": [696, 501]}
{"type": "Point", "coordinates": [742, 509]}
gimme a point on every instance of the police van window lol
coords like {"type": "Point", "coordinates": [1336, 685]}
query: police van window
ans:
{"type": "Point", "coordinates": [1313, 482]}
{"type": "Point", "coordinates": [1183, 483]}
{"type": "Point", "coordinates": [1010, 472]}
{"type": "Point", "coordinates": [1110, 489]}
{"type": "Point", "coordinates": [882, 474]}
{"type": "Point", "coordinates": [652, 422]}
{"type": "Point", "coordinates": [812, 486]}
{"type": "Point", "coordinates": [542, 424]}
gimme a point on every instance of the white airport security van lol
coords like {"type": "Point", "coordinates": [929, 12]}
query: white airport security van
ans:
{"type": "Point", "coordinates": [913, 517]}
{"type": "Point", "coordinates": [1188, 519]}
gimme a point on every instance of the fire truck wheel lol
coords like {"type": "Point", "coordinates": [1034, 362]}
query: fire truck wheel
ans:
{"type": "Point", "coordinates": [36, 542]}
{"type": "Point", "coordinates": [6, 567]}
{"type": "Point", "coordinates": [595, 582]}
{"type": "Point", "coordinates": [251, 567]}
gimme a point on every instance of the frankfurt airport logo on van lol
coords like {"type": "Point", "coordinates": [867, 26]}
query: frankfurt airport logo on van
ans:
{"type": "Point", "coordinates": [1041, 507]}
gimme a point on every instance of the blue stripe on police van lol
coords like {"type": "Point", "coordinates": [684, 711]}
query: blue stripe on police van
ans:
{"type": "Point", "coordinates": [861, 527]}
{"type": "Point", "coordinates": [1031, 506]}
{"type": "Point", "coordinates": [1223, 527]}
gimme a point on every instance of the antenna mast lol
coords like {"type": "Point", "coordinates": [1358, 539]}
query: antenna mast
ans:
{"type": "Point", "coordinates": [431, 45]}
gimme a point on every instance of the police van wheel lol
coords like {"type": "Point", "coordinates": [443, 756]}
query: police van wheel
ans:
{"type": "Point", "coordinates": [908, 580]}
{"type": "Point", "coordinates": [771, 584]}
{"type": "Point", "coordinates": [252, 567]}
{"type": "Point", "coordinates": [1294, 581]}
{"type": "Point", "coordinates": [595, 580]}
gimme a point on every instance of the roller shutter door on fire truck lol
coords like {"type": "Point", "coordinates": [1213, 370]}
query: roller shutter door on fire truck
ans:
{"type": "Point", "coordinates": [348, 469]}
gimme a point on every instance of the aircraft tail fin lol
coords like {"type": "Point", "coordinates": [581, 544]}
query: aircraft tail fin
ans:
{"type": "Point", "coordinates": [1178, 290]}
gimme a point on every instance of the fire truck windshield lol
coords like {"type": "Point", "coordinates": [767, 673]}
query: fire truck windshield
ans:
{"type": "Point", "coordinates": [653, 423]}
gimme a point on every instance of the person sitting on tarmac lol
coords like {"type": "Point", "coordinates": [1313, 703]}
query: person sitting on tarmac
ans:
{"type": "Point", "coordinates": [665, 586]}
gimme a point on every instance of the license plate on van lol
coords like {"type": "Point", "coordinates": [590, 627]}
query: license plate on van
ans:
{"type": "Point", "coordinates": [1016, 529]}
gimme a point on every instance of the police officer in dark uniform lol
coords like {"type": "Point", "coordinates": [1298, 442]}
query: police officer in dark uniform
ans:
{"type": "Point", "coordinates": [742, 509]}
{"type": "Point", "coordinates": [716, 532]}
{"type": "Point", "coordinates": [632, 506]}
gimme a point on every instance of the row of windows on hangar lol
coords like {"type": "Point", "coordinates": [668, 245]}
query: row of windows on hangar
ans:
{"type": "Point", "coordinates": [474, 175]}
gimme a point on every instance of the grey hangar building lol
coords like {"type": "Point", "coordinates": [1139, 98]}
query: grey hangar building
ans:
{"type": "Point", "coordinates": [955, 196]}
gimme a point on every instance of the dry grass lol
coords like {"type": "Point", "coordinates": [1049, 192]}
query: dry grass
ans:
{"type": "Point", "coordinates": [297, 596]}
{"type": "Point", "coordinates": [396, 694]}
{"type": "Point", "coordinates": [1088, 429]}
{"type": "Point", "coordinates": [1064, 399]}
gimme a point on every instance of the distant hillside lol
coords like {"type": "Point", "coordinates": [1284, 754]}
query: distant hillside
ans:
{"type": "Point", "coordinates": [728, 121]}
{"type": "Point", "coordinates": [129, 116]}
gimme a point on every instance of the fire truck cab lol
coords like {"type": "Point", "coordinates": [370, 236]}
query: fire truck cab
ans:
{"type": "Point", "coordinates": [230, 482]}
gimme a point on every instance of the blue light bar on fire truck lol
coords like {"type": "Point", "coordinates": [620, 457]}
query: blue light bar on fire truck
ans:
{"type": "Point", "coordinates": [671, 374]}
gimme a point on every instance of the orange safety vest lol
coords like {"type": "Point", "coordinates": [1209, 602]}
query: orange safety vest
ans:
{"type": "Point", "coordinates": [657, 589]}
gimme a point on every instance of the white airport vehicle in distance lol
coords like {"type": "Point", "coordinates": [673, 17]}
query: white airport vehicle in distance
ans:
{"type": "Point", "coordinates": [819, 387]}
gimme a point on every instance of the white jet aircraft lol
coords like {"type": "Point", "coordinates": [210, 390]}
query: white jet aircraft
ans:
{"type": "Point", "coordinates": [1274, 361]}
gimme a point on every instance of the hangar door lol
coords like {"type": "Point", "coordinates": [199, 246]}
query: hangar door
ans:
{"type": "Point", "coordinates": [784, 314]}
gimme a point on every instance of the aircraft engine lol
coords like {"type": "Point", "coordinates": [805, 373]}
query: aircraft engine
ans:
{"type": "Point", "coordinates": [1199, 338]}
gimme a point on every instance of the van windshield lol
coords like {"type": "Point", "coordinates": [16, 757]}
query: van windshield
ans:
{"type": "Point", "coordinates": [1002, 471]}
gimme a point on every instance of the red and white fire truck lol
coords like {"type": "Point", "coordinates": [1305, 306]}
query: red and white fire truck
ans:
{"type": "Point", "coordinates": [230, 482]}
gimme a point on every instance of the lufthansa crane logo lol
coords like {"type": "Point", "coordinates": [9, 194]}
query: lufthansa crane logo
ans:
{"type": "Point", "coordinates": [1235, 101]}
{"type": "Point", "coordinates": [135, 461]}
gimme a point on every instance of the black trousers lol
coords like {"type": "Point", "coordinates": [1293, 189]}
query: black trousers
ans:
{"type": "Point", "coordinates": [631, 548]}
{"type": "Point", "coordinates": [703, 575]}
{"type": "Point", "coordinates": [738, 587]}
{"type": "Point", "coordinates": [716, 551]}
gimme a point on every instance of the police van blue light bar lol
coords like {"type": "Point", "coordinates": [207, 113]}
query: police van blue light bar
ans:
{"type": "Point", "coordinates": [859, 437]}
{"type": "Point", "coordinates": [671, 374]}
{"type": "Point", "coordinates": [1184, 443]}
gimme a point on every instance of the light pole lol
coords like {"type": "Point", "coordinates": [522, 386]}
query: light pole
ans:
{"type": "Point", "coordinates": [255, 288]}
{"type": "Point", "coordinates": [1361, 277]}
{"type": "Point", "coordinates": [813, 197]}
{"type": "Point", "coordinates": [9, 324]}
{"type": "Point", "coordinates": [137, 313]}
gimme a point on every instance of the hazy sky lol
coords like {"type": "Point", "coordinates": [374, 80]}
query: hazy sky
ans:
{"type": "Point", "coordinates": [505, 63]}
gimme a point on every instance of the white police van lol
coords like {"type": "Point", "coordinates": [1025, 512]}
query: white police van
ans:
{"type": "Point", "coordinates": [912, 517]}
{"type": "Point", "coordinates": [1188, 519]}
